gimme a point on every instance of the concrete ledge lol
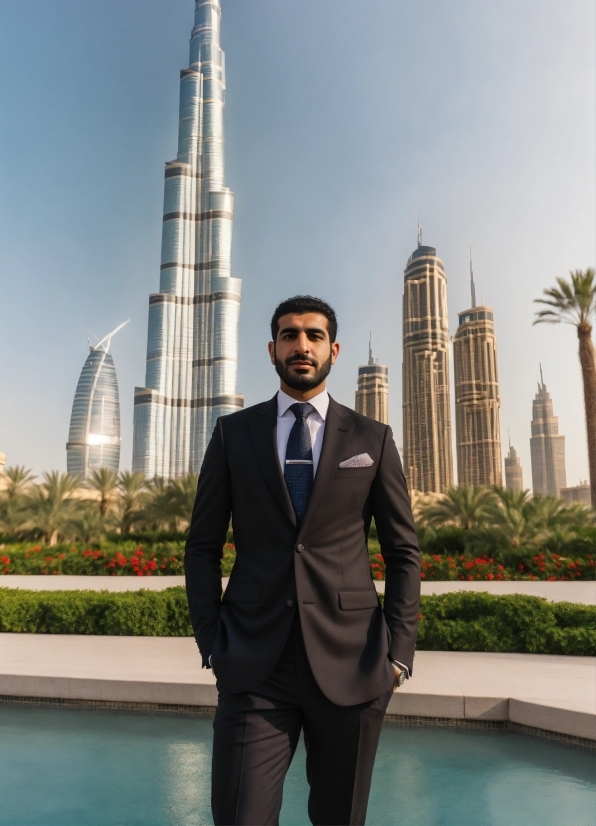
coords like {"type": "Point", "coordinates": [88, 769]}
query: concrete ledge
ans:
{"type": "Point", "coordinates": [551, 693]}
{"type": "Point", "coordinates": [553, 718]}
{"type": "Point", "coordinates": [580, 592]}
{"type": "Point", "coordinates": [115, 691]}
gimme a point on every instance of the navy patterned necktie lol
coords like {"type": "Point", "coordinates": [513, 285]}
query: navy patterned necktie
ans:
{"type": "Point", "coordinates": [298, 468]}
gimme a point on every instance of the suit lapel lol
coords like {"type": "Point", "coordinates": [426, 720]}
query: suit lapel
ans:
{"type": "Point", "coordinates": [338, 428]}
{"type": "Point", "coordinates": [263, 436]}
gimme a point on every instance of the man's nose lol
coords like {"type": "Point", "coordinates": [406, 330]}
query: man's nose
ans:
{"type": "Point", "coordinates": [302, 343]}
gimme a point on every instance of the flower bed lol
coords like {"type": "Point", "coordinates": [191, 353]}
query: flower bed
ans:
{"type": "Point", "coordinates": [450, 622]}
{"type": "Point", "coordinates": [127, 559]}
{"type": "Point", "coordinates": [167, 558]}
{"type": "Point", "coordinates": [437, 568]}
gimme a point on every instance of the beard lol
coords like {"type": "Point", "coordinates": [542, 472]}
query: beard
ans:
{"type": "Point", "coordinates": [306, 381]}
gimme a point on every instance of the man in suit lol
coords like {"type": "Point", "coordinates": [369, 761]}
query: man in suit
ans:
{"type": "Point", "coordinates": [299, 641]}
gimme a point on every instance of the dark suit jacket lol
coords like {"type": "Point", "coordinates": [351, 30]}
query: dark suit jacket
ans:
{"type": "Point", "coordinates": [321, 570]}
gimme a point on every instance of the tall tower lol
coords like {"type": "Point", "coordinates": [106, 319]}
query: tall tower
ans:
{"type": "Point", "coordinates": [514, 479]}
{"type": "Point", "coordinates": [477, 402]}
{"type": "Point", "coordinates": [427, 454]}
{"type": "Point", "coordinates": [372, 395]}
{"type": "Point", "coordinates": [547, 447]}
{"type": "Point", "coordinates": [94, 434]}
{"type": "Point", "coordinates": [192, 347]}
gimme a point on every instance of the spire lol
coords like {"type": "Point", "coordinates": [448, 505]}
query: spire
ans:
{"type": "Point", "coordinates": [419, 231]}
{"type": "Point", "coordinates": [472, 285]}
{"type": "Point", "coordinates": [370, 355]}
{"type": "Point", "coordinates": [105, 342]}
{"type": "Point", "coordinates": [541, 379]}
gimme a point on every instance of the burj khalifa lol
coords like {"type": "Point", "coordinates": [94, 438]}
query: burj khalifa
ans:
{"type": "Point", "coordinates": [192, 346]}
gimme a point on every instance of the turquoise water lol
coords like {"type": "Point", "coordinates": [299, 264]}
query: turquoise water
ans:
{"type": "Point", "coordinates": [85, 768]}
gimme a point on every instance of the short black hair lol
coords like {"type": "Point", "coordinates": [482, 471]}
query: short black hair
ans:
{"type": "Point", "coordinates": [301, 304]}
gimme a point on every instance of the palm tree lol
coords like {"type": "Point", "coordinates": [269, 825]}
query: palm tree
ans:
{"type": "Point", "coordinates": [130, 489]}
{"type": "Point", "coordinates": [105, 482]}
{"type": "Point", "coordinates": [16, 480]}
{"type": "Point", "coordinates": [461, 507]}
{"type": "Point", "coordinates": [50, 504]}
{"type": "Point", "coordinates": [574, 302]}
{"type": "Point", "coordinates": [515, 519]}
{"type": "Point", "coordinates": [86, 524]}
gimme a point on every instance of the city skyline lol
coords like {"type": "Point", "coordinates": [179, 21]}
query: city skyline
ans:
{"type": "Point", "coordinates": [85, 246]}
{"type": "Point", "coordinates": [192, 342]}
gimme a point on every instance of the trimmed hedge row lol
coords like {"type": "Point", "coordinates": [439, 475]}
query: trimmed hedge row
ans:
{"type": "Point", "coordinates": [449, 622]}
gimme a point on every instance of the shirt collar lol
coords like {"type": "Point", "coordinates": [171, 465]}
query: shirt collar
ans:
{"type": "Point", "coordinates": [319, 402]}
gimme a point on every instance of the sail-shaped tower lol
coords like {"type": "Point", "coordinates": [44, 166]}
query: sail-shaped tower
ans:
{"type": "Point", "coordinates": [94, 435]}
{"type": "Point", "coordinates": [192, 347]}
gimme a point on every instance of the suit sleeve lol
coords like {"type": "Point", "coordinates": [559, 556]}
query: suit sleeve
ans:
{"type": "Point", "coordinates": [399, 547]}
{"type": "Point", "coordinates": [204, 546]}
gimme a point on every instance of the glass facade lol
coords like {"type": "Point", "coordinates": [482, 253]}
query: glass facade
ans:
{"type": "Point", "coordinates": [94, 435]}
{"type": "Point", "coordinates": [192, 342]}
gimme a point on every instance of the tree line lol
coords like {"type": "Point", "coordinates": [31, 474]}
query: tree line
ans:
{"type": "Point", "coordinates": [63, 508]}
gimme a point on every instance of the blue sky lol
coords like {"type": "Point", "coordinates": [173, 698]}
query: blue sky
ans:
{"type": "Point", "coordinates": [343, 119]}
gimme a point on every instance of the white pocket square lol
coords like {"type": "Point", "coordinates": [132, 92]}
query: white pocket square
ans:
{"type": "Point", "coordinates": [362, 460]}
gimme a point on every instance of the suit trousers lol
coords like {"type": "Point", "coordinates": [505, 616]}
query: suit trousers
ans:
{"type": "Point", "coordinates": [255, 735]}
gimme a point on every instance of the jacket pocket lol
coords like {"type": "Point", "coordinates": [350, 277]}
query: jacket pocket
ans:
{"type": "Point", "coordinates": [243, 592]}
{"type": "Point", "coordinates": [356, 600]}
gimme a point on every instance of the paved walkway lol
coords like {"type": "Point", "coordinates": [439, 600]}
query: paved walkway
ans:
{"type": "Point", "coordinates": [549, 692]}
{"type": "Point", "coordinates": [583, 592]}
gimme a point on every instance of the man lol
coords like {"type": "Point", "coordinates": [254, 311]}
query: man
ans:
{"type": "Point", "coordinates": [299, 640]}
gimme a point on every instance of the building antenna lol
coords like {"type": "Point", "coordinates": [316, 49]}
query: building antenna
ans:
{"type": "Point", "coordinates": [370, 355]}
{"type": "Point", "coordinates": [541, 379]}
{"type": "Point", "coordinates": [472, 285]}
{"type": "Point", "coordinates": [419, 231]}
{"type": "Point", "coordinates": [108, 338]}
{"type": "Point", "coordinates": [509, 437]}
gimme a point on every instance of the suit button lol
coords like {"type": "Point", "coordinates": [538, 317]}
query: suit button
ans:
{"type": "Point", "coordinates": [299, 548]}
{"type": "Point", "coordinates": [290, 603]}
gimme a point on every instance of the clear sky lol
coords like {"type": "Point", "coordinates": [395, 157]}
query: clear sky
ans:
{"type": "Point", "coordinates": [343, 118]}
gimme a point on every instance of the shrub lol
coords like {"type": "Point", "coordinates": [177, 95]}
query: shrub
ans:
{"type": "Point", "coordinates": [132, 613]}
{"type": "Point", "coordinates": [515, 623]}
{"type": "Point", "coordinates": [450, 622]}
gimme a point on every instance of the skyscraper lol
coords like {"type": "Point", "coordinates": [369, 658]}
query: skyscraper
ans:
{"type": "Point", "coordinates": [372, 395]}
{"type": "Point", "coordinates": [94, 435]}
{"type": "Point", "coordinates": [192, 348]}
{"type": "Point", "coordinates": [477, 402]}
{"type": "Point", "coordinates": [427, 453]}
{"type": "Point", "coordinates": [514, 479]}
{"type": "Point", "coordinates": [547, 447]}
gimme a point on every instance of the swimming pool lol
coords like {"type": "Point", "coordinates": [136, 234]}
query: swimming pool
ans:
{"type": "Point", "coordinates": [63, 767]}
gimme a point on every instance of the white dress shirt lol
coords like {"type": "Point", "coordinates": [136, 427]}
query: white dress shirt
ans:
{"type": "Point", "coordinates": [316, 425]}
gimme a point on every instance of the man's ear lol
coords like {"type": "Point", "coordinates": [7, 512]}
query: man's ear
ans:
{"type": "Point", "coordinates": [271, 348]}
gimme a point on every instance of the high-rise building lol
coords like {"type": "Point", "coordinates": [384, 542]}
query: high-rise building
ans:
{"type": "Point", "coordinates": [192, 348]}
{"type": "Point", "coordinates": [477, 402]}
{"type": "Point", "coordinates": [514, 479]}
{"type": "Point", "coordinates": [427, 456]}
{"type": "Point", "coordinates": [547, 447]}
{"type": "Point", "coordinates": [372, 395]}
{"type": "Point", "coordinates": [578, 493]}
{"type": "Point", "coordinates": [94, 435]}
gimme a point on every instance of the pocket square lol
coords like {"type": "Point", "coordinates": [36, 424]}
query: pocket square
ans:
{"type": "Point", "coordinates": [361, 460]}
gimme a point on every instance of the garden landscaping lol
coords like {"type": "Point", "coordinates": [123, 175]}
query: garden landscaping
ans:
{"type": "Point", "coordinates": [126, 558]}
{"type": "Point", "coordinates": [448, 622]}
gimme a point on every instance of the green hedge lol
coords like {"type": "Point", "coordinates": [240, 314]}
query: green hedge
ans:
{"type": "Point", "coordinates": [450, 622]}
{"type": "Point", "coordinates": [130, 613]}
{"type": "Point", "coordinates": [463, 621]}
